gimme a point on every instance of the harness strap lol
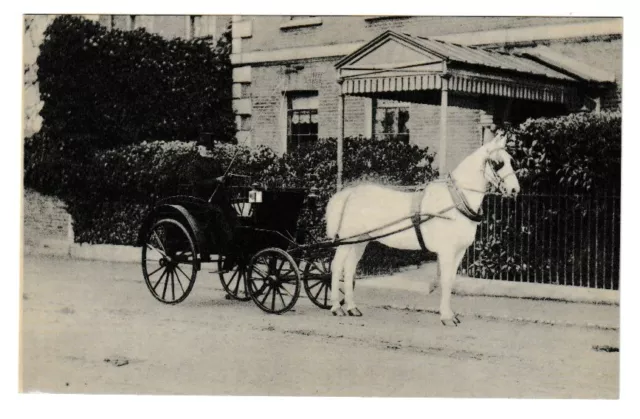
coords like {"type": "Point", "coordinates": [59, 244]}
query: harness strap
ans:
{"type": "Point", "coordinates": [416, 217]}
{"type": "Point", "coordinates": [461, 202]}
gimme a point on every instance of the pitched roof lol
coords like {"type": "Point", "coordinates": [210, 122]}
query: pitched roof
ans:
{"type": "Point", "coordinates": [540, 61]}
{"type": "Point", "coordinates": [487, 58]}
{"type": "Point", "coordinates": [570, 65]}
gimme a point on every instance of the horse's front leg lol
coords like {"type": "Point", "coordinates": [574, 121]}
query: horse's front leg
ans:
{"type": "Point", "coordinates": [448, 264]}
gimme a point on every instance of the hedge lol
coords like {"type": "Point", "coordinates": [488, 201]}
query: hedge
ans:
{"type": "Point", "coordinates": [122, 87]}
{"type": "Point", "coordinates": [109, 192]}
{"type": "Point", "coordinates": [569, 170]}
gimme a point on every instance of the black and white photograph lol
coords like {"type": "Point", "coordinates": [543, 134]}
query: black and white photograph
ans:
{"type": "Point", "coordinates": [361, 206]}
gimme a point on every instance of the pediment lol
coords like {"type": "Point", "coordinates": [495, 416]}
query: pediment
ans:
{"type": "Point", "coordinates": [388, 51]}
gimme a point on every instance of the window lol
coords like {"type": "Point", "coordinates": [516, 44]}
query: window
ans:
{"type": "Point", "coordinates": [391, 122]}
{"type": "Point", "coordinates": [195, 27]}
{"type": "Point", "coordinates": [302, 120]}
{"type": "Point", "coordinates": [301, 21]}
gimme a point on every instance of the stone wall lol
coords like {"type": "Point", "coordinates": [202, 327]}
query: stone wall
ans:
{"type": "Point", "coordinates": [46, 221]}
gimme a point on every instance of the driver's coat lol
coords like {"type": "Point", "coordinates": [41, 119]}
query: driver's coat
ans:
{"type": "Point", "coordinates": [379, 205]}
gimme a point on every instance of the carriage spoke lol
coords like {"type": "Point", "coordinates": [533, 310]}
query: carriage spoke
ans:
{"type": "Point", "coordinates": [318, 268]}
{"type": "Point", "coordinates": [259, 272]}
{"type": "Point", "coordinates": [262, 288]}
{"type": "Point", "coordinates": [173, 286]}
{"type": "Point", "coordinates": [185, 275]}
{"type": "Point", "coordinates": [160, 243]}
{"type": "Point", "coordinates": [280, 286]}
{"type": "Point", "coordinates": [235, 290]}
{"type": "Point", "coordinates": [319, 291]}
{"type": "Point", "coordinates": [166, 282]}
{"type": "Point", "coordinates": [316, 284]}
{"type": "Point", "coordinates": [281, 298]}
{"type": "Point", "coordinates": [235, 273]}
{"type": "Point", "coordinates": [180, 282]}
{"type": "Point", "coordinates": [326, 294]}
{"type": "Point", "coordinates": [265, 295]}
{"type": "Point", "coordinates": [273, 298]}
{"type": "Point", "coordinates": [162, 254]}
{"type": "Point", "coordinates": [155, 271]}
{"type": "Point", "coordinates": [159, 279]}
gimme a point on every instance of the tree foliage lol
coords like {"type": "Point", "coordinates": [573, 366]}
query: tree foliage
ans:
{"type": "Point", "coordinates": [123, 87]}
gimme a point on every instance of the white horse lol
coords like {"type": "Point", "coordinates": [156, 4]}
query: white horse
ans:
{"type": "Point", "coordinates": [357, 213]}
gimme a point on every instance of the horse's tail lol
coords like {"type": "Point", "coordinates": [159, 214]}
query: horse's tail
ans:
{"type": "Point", "coordinates": [335, 212]}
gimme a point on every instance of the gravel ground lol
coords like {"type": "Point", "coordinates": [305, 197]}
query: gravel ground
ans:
{"type": "Point", "coordinates": [92, 327]}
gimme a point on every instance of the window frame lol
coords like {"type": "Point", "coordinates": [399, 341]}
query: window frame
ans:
{"type": "Point", "coordinates": [295, 22]}
{"type": "Point", "coordinates": [295, 141]}
{"type": "Point", "coordinates": [399, 136]}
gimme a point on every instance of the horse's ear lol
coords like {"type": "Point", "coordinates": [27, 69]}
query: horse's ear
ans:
{"type": "Point", "coordinates": [500, 141]}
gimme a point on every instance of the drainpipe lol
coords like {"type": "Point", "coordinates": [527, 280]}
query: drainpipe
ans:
{"type": "Point", "coordinates": [340, 135]}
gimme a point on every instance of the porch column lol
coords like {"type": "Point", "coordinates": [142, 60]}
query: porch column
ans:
{"type": "Point", "coordinates": [444, 103]}
{"type": "Point", "coordinates": [340, 135]}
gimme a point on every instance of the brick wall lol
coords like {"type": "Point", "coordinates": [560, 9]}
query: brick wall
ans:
{"type": "Point", "coordinates": [168, 26]}
{"type": "Point", "coordinates": [45, 219]}
{"type": "Point", "coordinates": [267, 90]}
{"type": "Point", "coordinates": [268, 123]}
{"type": "Point", "coordinates": [267, 34]}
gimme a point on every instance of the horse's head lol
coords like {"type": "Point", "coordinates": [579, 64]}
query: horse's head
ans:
{"type": "Point", "coordinates": [499, 167]}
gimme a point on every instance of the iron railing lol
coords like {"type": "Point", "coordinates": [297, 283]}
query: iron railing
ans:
{"type": "Point", "coordinates": [552, 239]}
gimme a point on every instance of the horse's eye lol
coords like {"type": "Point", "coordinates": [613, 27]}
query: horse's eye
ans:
{"type": "Point", "coordinates": [497, 165]}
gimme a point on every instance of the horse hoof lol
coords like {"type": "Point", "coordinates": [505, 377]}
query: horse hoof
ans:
{"type": "Point", "coordinates": [454, 320]}
{"type": "Point", "coordinates": [355, 312]}
{"type": "Point", "coordinates": [338, 312]}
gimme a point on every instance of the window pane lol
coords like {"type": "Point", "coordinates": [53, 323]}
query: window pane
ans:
{"type": "Point", "coordinates": [302, 128]}
{"type": "Point", "coordinates": [304, 102]}
{"type": "Point", "coordinates": [392, 123]}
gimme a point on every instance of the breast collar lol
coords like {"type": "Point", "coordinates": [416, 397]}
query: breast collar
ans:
{"type": "Point", "coordinates": [461, 202]}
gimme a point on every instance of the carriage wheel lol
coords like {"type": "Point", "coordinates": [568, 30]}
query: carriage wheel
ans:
{"type": "Point", "coordinates": [273, 281]}
{"type": "Point", "coordinates": [317, 280]}
{"type": "Point", "coordinates": [234, 280]}
{"type": "Point", "coordinates": [169, 261]}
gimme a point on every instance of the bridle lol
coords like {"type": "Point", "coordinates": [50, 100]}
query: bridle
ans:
{"type": "Point", "coordinates": [491, 176]}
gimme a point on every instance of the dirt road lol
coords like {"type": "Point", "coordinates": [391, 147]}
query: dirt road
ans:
{"type": "Point", "coordinates": [92, 327]}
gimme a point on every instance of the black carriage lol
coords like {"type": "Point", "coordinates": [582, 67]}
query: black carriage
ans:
{"type": "Point", "coordinates": [250, 233]}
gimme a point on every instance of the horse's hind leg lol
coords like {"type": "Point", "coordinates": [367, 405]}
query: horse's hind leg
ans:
{"type": "Point", "coordinates": [337, 272]}
{"type": "Point", "coordinates": [351, 263]}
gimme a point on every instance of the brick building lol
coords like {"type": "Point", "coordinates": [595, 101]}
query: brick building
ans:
{"type": "Point", "coordinates": [434, 81]}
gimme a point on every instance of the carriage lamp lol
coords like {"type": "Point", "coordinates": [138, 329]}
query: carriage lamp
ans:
{"type": "Point", "coordinates": [255, 195]}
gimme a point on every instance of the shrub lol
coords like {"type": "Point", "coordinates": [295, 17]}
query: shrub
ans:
{"type": "Point", "coordinates": [580, 153]}
{"type": "Point", "coordinates": [123, 87]}
{"type": "Point", "coordinates": [114, 189]}
{"type": "Point", "coordinates": [569, 171]}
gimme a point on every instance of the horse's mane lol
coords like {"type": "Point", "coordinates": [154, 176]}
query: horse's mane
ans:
{"type": "Point", "coordinates": [380, 183]}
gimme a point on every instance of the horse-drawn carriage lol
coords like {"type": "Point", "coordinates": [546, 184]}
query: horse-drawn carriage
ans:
{"type": "Point", "coordinates": [251, 235]}
{"type": "Point", "coordinates": [263, 254]}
